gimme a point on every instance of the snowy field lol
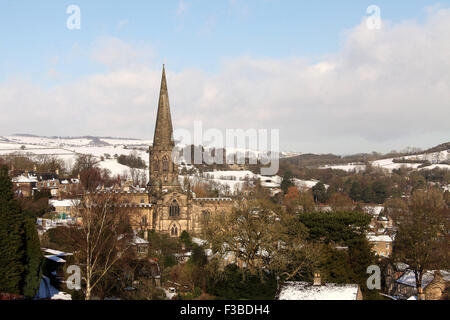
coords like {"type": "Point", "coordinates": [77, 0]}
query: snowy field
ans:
{"type": "Point", "coordinates": [68, 149]}
{"type": "Point", "coordinates": [434, 158]}
{"type": "Point", "coordinates": [107, 149]}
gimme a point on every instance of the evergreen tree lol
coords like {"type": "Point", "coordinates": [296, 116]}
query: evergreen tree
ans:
{"type": "Point", "coordinates": [198, 257]}
{"type": "Point", "coordinates": [287, 182]}
{"type": "Point", "coordinates": [356, 191]}
{"type": "Point", "coordinates": [368, 194]}
{"type": "Point", "coordinates": [380, 191]}
{"type": "Point", "coordinates": [185, 238]}
{"type": "Point", "coordinates": [319, 193]}
{"type": "Point", "coordinates": [21, 256]}
{"type": "Point", "coordinates": [11, 233]}
{"type": "Point", "coordinates": [32, 259]}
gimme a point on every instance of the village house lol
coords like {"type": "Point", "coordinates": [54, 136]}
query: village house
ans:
{"type": "Point", "coordinates": [64, 208]}
{"type": "Point", "coordinates": [391, 273]}
{"type": "Point", "coordinates": [293, 290]}
{"type": "Point", "coordinates": [381, 244]}
{"type": "Point", "coordinates": [25, 184]}
{"type": "Point", "coordinates": [434, 284]}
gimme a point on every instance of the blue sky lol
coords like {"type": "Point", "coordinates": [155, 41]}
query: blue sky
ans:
{"type": "Point", "coordinates": [312, 69]}
{"type": "Point", "coordinates": [183, 34]}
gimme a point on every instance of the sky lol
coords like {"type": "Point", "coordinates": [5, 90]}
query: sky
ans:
{"type": "Point", "coordinates": [314, 70]}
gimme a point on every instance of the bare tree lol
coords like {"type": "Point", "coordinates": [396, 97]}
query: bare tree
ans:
{"type": "Point", "coordinates": [102, 236]}
{"type": "Point", "coordinates": [422, 240]}
{"type": "Point", "coordinates": [263, 236]}
{"type": "Point", "coordinates": [84, 162]}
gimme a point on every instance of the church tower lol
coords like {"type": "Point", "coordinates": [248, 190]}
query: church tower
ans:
{"type": "Point", "coordinates": [163, 171]}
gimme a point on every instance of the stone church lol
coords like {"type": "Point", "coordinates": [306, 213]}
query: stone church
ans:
{"type": "Point", "coordinates": [165, 207]}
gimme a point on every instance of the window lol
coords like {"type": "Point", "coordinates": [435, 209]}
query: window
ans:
{"type": "Point", "coordinates": [174, 210]}
{"type": "Point", "coordinates": [174, 231]}
{"type": "Point", "coordinates": [206, 214]}
{"type": "Point", "coordinates": [155, 165]}
{"type": "Point", "coordinates": [165, 164]}
{"type": "Point", "coordinates": [142, 249]}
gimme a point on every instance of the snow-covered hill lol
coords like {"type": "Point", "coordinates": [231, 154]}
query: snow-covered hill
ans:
{"type": "Point", "coordinates": [106, 149]}
{"type": "Point", "coordinates": [67, 149]}
{"type": "Point", "coordinates": [436, 160]}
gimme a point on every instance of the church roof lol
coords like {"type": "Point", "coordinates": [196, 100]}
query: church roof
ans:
{"type": "Point", "coordinates": [163, 130]}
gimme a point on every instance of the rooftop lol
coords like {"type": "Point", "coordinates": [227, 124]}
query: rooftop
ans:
{"type": "Point", "coordinates": [306, 291]}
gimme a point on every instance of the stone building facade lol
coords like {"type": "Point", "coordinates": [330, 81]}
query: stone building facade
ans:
{"type": "Point", "coordinates": [167, 208]}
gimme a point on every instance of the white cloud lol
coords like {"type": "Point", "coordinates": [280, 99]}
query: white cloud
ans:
{"type": "Point", "coordinates": [385, 89]}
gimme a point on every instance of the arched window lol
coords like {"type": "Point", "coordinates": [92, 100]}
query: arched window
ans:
{"type": "Point", "coordinates": [165, 164]}
{"type": "Point", "coordinates": [174, 231]}
{"type": "Point", "coordinates": [155, 164]}
{"type": "Point", "coordinates": [206, 214]}
{"type": "Point", "coordinates": [174, 210]}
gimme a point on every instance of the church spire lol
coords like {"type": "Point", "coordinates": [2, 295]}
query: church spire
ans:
{"type": "Point", "coordinates": [163, 137]}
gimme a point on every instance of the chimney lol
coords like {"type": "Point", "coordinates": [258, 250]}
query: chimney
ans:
{"type": "Point", "coordinates": [317, 279]}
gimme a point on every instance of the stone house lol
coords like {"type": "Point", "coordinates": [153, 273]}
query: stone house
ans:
{"type": "Point", "coordinates": [381, 245]}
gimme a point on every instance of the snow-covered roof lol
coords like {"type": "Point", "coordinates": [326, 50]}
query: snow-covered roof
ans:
{"type": "Point", "coordinates": [409, 278]}
{"type": "Point", "coordinates": [55, 258]}
{"type": "Point", "coordinates": [306, 291]}
{"type": "Point", "coordinates": [47, 291]}
{"type": "Point", "coordinates": [199, 241]}
{"type": "Point", "coordinates": [24, 179]}
{"type": "Point", "coordinates": [139, 240]}
{"type": "Point", "coordinates": [307, 184]}
{"type": "Point", "coordinates": [63, 203]}
{"type": "Point", "coordinates": [57, 252]}
{"type": "Point", "coordinates": [373, 210]}
{"type": "Point", "coordinates": [380, 238]}
{"type": "Point", "coordinates": [401, 266]}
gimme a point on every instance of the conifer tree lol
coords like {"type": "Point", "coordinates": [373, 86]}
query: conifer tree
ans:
{"type": "Point", "coordinates": [32, 258]}
{"type": "Point", "coordinates": [11, 232]}
{"type": "Point", "coordinates": [20, 252]}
